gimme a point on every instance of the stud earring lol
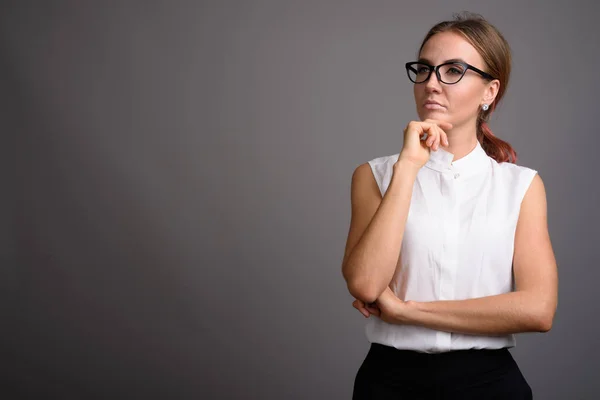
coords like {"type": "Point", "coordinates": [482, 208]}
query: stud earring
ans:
{"type": "Point", "coordinates": [485, 107]}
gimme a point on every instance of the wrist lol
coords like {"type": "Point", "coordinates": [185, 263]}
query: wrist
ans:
{"type": "Point", "coordinates": [409, 313]}
{"type": "Point", "coordinates": [403, 179]}
{"type": "Point", "coordinates": [403, 166]}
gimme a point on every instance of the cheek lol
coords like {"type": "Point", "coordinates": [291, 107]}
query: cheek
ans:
{"type": "Point", "coordinates": [417, 94]}
{"type": "Point", "coordinates": [463, 101]}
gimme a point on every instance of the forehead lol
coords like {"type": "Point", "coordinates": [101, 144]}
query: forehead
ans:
{"type": "Point", "coordinates": [447, 46]}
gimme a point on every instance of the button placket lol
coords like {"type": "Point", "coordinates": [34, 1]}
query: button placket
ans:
{"type": "Point", "coordinates": [449, 257]}
{"type": "Point", "coordinates": [454, 172]}
{"type": "Point", "coordinates": [451, 230]}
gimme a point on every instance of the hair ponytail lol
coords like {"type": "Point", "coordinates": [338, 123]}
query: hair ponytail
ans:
{"type": "Point", "coordinates": [498, 149]}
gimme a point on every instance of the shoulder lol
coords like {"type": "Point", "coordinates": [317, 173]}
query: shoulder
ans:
{"type": "Point", "coordinates": [380, 169]}
{"type": "Point", "coordinates": [514, 171]}
{"type": "Point", "coordinates": [523, 179]}
{"type": "Point", "coordinates": [365, 189]}
{"type": "Point", "coordinates": [536, 192]}
{"type": "Point", "coordinates": [362, 173]}
{"type": "Point", "coordinates": [511, 168]}
{"type": "Point", "coordinates": [381, 165]}
{"type": "Point", "coordinates": [384, 160]}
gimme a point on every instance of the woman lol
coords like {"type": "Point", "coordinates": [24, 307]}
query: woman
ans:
{"type": "Point", "coordinates": [448, 249]}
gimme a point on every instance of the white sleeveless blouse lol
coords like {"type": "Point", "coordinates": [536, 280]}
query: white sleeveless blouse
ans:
{"type": "Point", "coordinates": [458, 242]}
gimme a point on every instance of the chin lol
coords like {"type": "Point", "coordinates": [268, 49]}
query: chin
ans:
{"type": "Point", "coordinates": [433, 114]}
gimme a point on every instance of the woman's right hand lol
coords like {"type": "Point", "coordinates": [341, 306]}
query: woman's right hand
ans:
{"type": "Point", "coordinates": [365, 309]}
{"type": "Point", "coordinates": [416, 150]}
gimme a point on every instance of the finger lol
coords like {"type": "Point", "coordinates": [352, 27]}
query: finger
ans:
{"type": "Point", "coordinates": [445, 125]}
{"type": "Point", "coordinates": [441, 124]}
{"type": "Point", "coordinates": [430, 132]}
{"type": "Point", "coordinates": [426, 134]}
{"type": "Point", "coordinates": [364, 312]}
{"type": "Point", "coordinates": [438, 139]}
{"type": "Point", "coordinates": [359, 305]}
{"type": "Point", "coordinates": [432, 135]}
{"type": "Point", "coordinates": [374, 310]}
{"type": "Point", "coordinates": [423, 128]}
{"type": "Point", "coordinates": [445, 139]}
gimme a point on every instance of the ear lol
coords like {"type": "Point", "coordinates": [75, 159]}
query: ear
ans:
{"type": "Point", "coordinates": [491, 91]}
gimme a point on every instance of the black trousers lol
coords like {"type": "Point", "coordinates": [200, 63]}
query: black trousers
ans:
{"type": "Point", "coordinates": [389, 373]}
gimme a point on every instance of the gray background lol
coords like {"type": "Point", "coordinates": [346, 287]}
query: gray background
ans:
{"type": "Point", "coordinates": [181, 198]}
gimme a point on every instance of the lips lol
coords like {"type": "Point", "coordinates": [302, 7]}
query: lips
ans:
{"type": "Point", "coordinates": [433, 105]}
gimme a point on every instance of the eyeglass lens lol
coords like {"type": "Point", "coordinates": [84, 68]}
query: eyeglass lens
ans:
{"type": "Point", "coordinates": [449, 73]}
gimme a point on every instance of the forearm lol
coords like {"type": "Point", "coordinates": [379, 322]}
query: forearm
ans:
{"type": "Point", "coordinates": [373, 260]}
{"type": "Point", "coordinates": [512, 312]}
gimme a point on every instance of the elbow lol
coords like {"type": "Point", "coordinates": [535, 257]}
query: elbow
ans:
{"type": "Point", "coordinates": [360, 287]}
{"type": "Point", "coordinates": [362, 291]}
{"type": "Point", "coordinates": [547, 321]}
{"type": "Point", "coordinates": [545, 318]}
{"type": "Point", "coordinates": [544, 324]}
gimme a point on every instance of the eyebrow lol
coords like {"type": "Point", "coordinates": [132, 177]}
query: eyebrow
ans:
{"type": "Point", "coordinates": [426, 61]}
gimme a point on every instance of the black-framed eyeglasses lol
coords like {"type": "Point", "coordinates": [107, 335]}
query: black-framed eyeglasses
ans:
{"type": "Point", "coordinates": [448, 73]}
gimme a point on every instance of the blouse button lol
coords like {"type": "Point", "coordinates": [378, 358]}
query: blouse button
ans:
{"type": "Point", "coordinates": [456, 176]}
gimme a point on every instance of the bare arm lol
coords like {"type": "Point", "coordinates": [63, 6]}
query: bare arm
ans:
{"type": "Point", "coordinates": [376, 230]}
{"type": "Point", "coordinates": [530, 308]}
{"type": "Point", "coordinates": [513, 312]}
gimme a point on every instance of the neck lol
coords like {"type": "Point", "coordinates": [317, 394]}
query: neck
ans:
{"type": "Point", "coordinates": [461, 140]}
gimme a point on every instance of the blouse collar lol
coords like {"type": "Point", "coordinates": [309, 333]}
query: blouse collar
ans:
{"type": "Point", "coordinates": [441, 161]}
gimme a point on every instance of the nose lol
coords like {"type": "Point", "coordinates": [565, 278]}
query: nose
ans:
{"type": "Point", "coordinates": [433, 84]}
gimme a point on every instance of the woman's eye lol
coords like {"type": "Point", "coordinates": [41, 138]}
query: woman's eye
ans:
{"type": "Point", "coordinates": [455, 71]}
